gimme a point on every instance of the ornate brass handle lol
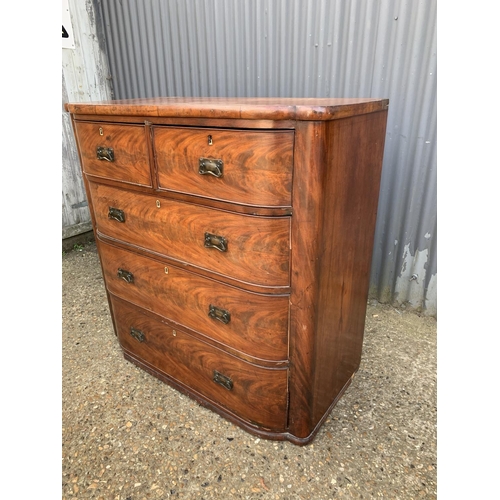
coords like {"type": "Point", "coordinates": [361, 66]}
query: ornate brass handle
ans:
{"type": "Point", "coordinates": [106, 154]}
{"type": "Point", "coordinates": [220, 379]}
{"type": "Point", "coordinates": [137, 334]}
{"type": "Point", "coordinates": [116, 214]}
{"type": "Point", "coordinates": [214, 241]}
{"type": "Point", "coordinates": [219, 314]}
{"type": "Point", "coordinates": [211, 166]}
{"type": "Point", "coordinates": [125, 275]}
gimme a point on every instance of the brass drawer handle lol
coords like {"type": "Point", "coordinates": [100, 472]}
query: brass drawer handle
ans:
{"type": "Point", "coordinates": [220, 379]}
{"type": "Point", "coordinates": [106, 154]}
{"type": "Point", "coordinates": [116, 214]}
{"type": "Point", "coordinates": [211, 166]}
{"type": "Point", "coordinates": [137, 334]}
{"type": "Point", "coordinates": [214, 241]}
{"type": "Point", "coordinates": [219, 314]}
{"type": "Point", "coordinates": [125, 275]}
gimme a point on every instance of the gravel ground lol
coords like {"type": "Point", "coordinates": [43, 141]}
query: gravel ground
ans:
{"type": "Point", "coordinates": [128, 436]}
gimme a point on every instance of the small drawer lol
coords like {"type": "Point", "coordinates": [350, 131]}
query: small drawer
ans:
{"type": "Point", "coordinates": [251, 323]}
{"type": "Point", "coordinates": [118, 152]}
{"type": "Point", "coordinates": [241, 166]}
{"type": "Point", "coordinates": [254, 393]}
{"type": "Point", "coordinates": [250, 249]}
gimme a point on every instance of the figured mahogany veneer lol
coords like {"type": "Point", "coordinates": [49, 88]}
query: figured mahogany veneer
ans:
{"type": "Point", "coordinates": [257, 394]}
{"type": "Point", "coordinates": [235, 237]}
{"type": "Point", "coordinates": [257, 326]}
{"type": "Point", "coordinates": [130, 151]}
{"type": "Point", "coordinates": [256, 249]}
{"type": "Point", "coordinates": [256, 169]}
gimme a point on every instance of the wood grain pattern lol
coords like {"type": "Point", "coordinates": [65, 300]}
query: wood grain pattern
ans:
{"type": "Point", "coordinates": [258, 394]}
{"type": "Point", "coordinates": [355, 152]}
{"type": "Point", "coordinates": [257, 165]}
{"type": "Point", "coordinates": [310, 161]}
{"type": "Point", "coordinates": [182, 121]}
{"type": "Point", "coordinates": [258, 248]}
{"type": "Point", "coordinates": [332, 240]}
{"type": "Point", "coordinates": [130, 147]}
{"type": "Point", "coordinates": [258, 323]}
{"type": "Point", "coordinates": [256, 108]}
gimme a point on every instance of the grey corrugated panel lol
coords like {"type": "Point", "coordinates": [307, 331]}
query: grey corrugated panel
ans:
{"type": "Point", "coordinates": [308, 48]}
{"type": "Point", "coordinates": [407, 209]}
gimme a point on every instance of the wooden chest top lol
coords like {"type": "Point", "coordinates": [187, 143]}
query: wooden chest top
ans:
{"type": "Point", "coordinates": [269, 108]}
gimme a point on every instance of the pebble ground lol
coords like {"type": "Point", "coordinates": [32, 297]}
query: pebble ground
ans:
{"type": "Point", "coordinates": [128, 436]}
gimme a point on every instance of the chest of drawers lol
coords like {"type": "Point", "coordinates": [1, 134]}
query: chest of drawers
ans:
{"type": "Point", "coordinates": [235, 238]}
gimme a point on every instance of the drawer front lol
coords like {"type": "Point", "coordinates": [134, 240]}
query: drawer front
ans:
{"type": "Point", "coordinates": [241, 166]}
{"type": "Point", "coordinates": [118, 152]}
{"type": "Point", "coordinates": [254, 393]}
{"type": "Point", "coordinates": [247, 248]}
{"type": "Point", "coordinates": [252, 323]}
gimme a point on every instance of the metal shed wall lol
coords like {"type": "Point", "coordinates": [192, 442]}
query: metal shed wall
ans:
{"type": "Point", "coordinates": [311, 48]}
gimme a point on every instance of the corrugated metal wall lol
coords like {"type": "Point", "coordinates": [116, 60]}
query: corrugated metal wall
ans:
{"type": "Point", "coordinates": [312, 48]}
{"type": "Point", "coordinates": [84, 78]}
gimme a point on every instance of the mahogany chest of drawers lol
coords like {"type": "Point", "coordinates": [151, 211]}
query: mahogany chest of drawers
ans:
{"type": "Point", "coordinates": [235, 238]}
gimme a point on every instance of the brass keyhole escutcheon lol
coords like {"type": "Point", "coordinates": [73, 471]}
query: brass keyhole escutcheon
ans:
{"type": "Point", "coordinates": [210, 141]}
{"type": "Point", "coordinates": [101, 131]}
{"type": "Point", "coordinates": [157, 203]}
{"type": "Point", "coordinates": [174, 333]}
{"type": "Point", "coordinates": [166, 270]}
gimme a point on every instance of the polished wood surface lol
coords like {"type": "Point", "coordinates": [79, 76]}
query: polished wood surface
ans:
{"type": "Point", "coordinates": [258, 395]}
{"type": "Point", "coordinates": [352, 179]}
{"type": "Point", "coordinates": [258, 248]}
{"type": "Point", "coordinates": [308, 201]}
{"type": "Point", "coordinates": [297, 207]}
{"type": "Point", "coordinates": [131, 158]}
{"type": "Point", "coordinates": [257, 108]}
{"type": "Point", "coordinates": [258, 324]}
{"type": "Point", "coordinates": [256, 165]}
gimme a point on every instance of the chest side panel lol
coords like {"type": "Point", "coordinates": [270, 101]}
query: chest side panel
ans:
{"type": "Point", "coordinates": [352, 179]}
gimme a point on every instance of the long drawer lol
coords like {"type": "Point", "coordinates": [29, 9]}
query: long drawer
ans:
{"type": "Point", "coordinates": [248, 248]}
{"type": "Point", "coordinates": [252, 323]}
{"type": "Point", "coordinates": [242, 166]}
{"type": "Point", "coordinates": [113, 151]}
{"type": "Point", "coordinates": [256, 394]}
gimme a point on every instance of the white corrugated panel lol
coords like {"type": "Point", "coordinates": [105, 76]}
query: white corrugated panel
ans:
{"type": "Point", "coordinates": [313, 48]}
{"type": "Point", "coordinates": [85, 77]}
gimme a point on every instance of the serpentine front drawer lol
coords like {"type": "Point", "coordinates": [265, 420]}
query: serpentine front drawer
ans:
{"type": "Point", "coordinates": [241, 166]}
{"type": "Point", "coordinates": [257, 394]}
{"type": "Point", "coordinates": [247, 248]}
{"type": "Point", "coordinates": [252, 324]}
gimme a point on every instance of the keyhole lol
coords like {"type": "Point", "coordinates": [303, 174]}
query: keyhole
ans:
{"type": "Point", "coordinates": [101, 132]}
{"type": "Point", "coordinates": [210, 141]}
